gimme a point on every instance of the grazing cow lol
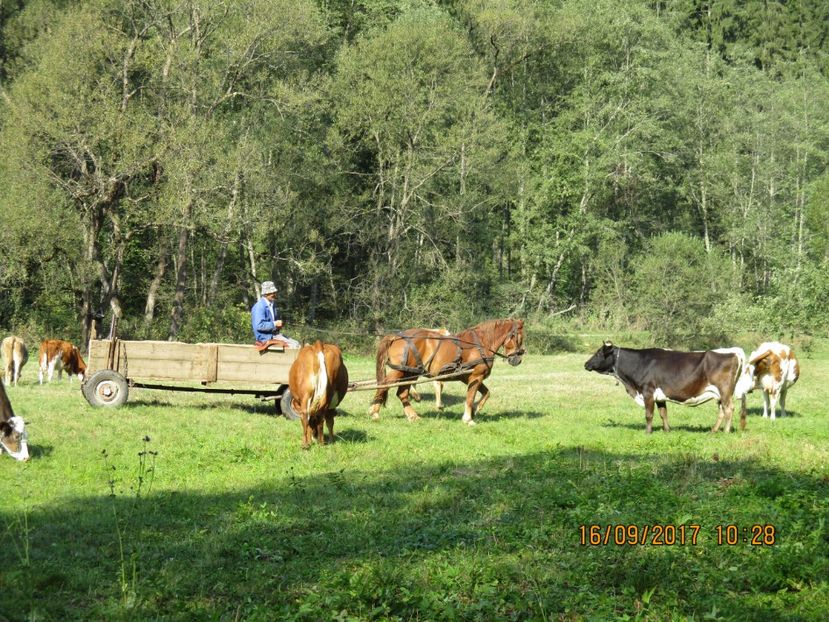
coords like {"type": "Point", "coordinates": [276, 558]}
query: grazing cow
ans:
{"type": "Point", "coordinates": [63, 355]}
{"type": "Point", "coordinates": [13, 436]}
{"type": "Point", "coordinates": [772, 367]}
{"type": "Point", "coordinates": [656, 376]}
{"type": "Point", "coordinates": [318, 381]}
{"type": "Point", "coordinates": [437, 384]}
{"type": "Point", "coordinates": [15, 356]}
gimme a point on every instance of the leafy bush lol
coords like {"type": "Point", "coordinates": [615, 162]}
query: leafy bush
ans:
{"type": "Point", "coordinates": [677, 289]}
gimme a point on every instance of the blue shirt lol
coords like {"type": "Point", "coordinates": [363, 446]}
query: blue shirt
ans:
{"type": "Point", "coordinates": [263, 316]}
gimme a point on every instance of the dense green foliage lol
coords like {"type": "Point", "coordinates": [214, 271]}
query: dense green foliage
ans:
{"type": "Point", "coordinates": [229, 519]}
{"type": "Point", "coordinates": [398, 162]}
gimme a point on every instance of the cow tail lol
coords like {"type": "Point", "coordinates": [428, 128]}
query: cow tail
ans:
{"type": "Point", "coordinates": [320, 382]}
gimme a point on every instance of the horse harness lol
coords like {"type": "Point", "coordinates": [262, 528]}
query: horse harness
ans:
{"type": "Point", "coordinates": [454, 366]}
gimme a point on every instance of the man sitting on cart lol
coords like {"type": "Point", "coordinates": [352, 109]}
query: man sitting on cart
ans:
{"type": "Point", "coordinates": [267, 321]}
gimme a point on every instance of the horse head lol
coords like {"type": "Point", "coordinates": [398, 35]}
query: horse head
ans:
{"type": "Point", "coordinates": [513, 343]}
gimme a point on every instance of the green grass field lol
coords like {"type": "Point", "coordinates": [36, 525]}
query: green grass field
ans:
{"type": "Point", "coordinates": [221, 516]}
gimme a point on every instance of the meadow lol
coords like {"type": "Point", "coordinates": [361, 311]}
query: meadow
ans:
{"type": "Point", "coordinates": [194, 507]}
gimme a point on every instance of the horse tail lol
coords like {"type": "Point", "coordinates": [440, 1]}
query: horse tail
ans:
{"type": "Point", "coordinates": [382, 356]}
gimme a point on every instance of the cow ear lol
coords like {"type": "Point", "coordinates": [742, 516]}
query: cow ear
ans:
{"type": "Point", "coordinates": [608, 344]}
{"type": "Point", "coordinates": [6, 428]}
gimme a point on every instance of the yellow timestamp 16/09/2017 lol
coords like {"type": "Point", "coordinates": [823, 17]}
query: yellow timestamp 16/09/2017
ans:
{"type": "Point", "coordinates": [670, 535]}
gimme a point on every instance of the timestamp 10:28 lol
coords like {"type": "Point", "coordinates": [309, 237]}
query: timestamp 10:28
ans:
{"type": "Point", "coordinates": [755, 535]}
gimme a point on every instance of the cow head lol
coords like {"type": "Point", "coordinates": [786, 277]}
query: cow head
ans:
{"type": "Point", "coordinates": [604, 360]}
{"type": "Point", "coordinates": [14, 438]}
{"type": "Point", "coordinates": [77, 364]}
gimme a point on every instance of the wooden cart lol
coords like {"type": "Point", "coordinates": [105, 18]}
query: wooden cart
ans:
{"type": "Point", "coordinates": [115, 365]}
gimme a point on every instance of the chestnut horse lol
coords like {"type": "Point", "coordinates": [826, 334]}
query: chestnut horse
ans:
{"type": "Point", "coordinates": [469, 355]}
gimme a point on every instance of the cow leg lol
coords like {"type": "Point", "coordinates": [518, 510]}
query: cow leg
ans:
{"type": "Point", "coordinates": [728, 410]}
{"type": "Point", "coordinates": [765, 405]}
{"type": "Point", "coordinates": [403, 396]}
{"type": "Point", "coordinates": [773, 404]}
{"type": "Point", "coordinates": [782, 402]}
{"type": "Point", "coordinates": [52, 364]}
{"type": "Point", "coordinates": [648, 413]}
{"type": "Point", "coordinates": [438, 394]}
{"type": "Point", "coordinates": [319, 428]}
{"type": "Point", "coordinates": [743, 413]}
{"type": "Point", "coordinates": [663, 412]}
{"type": "Point", "coordinates": [329, 422]}
{"type": "Point", "coordinates": [720, 417]}
{"type": "Point", "coordinates": [306, 431]}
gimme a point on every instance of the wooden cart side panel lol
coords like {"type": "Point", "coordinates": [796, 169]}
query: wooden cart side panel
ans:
{"type": "Point", "coordinates": [240, 363]}
{"type": "Point", "coordinates": [202, 362]}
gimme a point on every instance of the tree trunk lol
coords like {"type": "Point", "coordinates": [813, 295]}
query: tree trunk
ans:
{"type": "Point", "coordinates": [177, 312]}
{"type": "Point", "coordinates": [155, 284]}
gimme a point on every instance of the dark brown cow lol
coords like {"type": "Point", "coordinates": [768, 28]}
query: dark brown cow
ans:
{"type": "Point", "coordinates": [13, 436]}
{"type": "Point", "coordinates": [318, 381]}
{"type": "Point", "coordinates": [656, 376]}
{"type": "Point", "coordinates": [60, 354]}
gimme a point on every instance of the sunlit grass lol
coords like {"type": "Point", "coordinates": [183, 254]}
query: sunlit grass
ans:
{"type": "Point", "coordinates": [426, 520]}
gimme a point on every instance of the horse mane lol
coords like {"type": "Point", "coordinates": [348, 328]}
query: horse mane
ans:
{"type": "Point", "coordinates": [490, 329]}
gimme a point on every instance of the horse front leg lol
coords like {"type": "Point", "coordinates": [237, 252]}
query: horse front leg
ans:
{"type": "Point", "coordinates": [468, 409]}
{"type": "Point", "coordinates": [484, 391]}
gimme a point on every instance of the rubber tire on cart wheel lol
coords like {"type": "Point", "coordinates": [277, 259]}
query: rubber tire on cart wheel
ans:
{"type": "Point", "coordinates": [285, 406]}
{"type": "Point", "coordinates": [106, 388]}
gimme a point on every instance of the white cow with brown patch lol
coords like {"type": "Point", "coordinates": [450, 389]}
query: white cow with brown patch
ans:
{"type": "Point", "coordinates": [773, 368]}
{"type": "Point", "coordinates": [61, 355]}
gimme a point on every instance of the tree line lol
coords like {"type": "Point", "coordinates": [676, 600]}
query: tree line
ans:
{"type": "Point", "coordinates": [391, 163]}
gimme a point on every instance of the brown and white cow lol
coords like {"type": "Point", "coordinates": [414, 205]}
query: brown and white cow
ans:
{"type": "Point", "coordinates": [13, 436]}
{"type": "Point", "coordinates": [56, 353]}
{"type": "Point", "coordinates": [318, 381]}
{"type": "Point", "coordinates": [15, 356]}
{"type": "Point", "coordinates": [656, 376]}
{"type": "Point", "coordinates": [772, 367]}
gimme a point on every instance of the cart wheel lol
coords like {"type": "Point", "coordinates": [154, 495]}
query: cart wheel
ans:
{"type": "Point", "coordinates": [106, 388]}
{"type": "Point", "coordinates": [285, 406]}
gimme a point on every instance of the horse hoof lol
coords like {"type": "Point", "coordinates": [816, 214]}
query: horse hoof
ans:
{"type": "Point", "coordinates": [413, 418]}
{"type": "Point", "coordinates": [375, 416]}
{"type": "Point", "coordinates": [471, 423]}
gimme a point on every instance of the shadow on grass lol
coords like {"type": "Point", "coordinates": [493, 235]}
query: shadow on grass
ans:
{"type": "Point", "coordinates": [757, 411]}
{"type": "Point", "coordinates": [351, 436]}
{"type": "Point", "coordinates": [498, 538]}
{"type": "Point", "coordinates": [657, 426]}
